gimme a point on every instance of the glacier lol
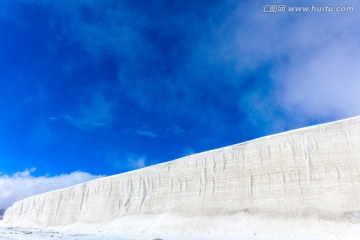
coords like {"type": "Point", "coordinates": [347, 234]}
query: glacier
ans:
{"type": "Point", "coordinates": [314, 169]}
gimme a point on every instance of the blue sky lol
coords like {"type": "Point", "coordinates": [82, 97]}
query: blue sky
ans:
{"type": "Point", "coordinates": [103, 87]}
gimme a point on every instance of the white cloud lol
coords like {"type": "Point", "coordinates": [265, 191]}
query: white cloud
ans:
{"type": "Point", "coordinates": [127, 162]}
{"type": "Point", "coordinates": [312, 61]}
{"type": "Point", "coordinates": [137, 163]}
{"type": "Point", "coordinates": [326, 83]}
{"type": "Point", "coordinates": [23, 184]}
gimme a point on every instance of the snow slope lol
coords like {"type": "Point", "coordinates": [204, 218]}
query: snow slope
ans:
{"type": "Point", "coordinates": [312, 172]}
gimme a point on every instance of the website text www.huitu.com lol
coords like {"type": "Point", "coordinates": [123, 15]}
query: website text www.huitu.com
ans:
{"type": "Point", "coordinates": [277, 8]}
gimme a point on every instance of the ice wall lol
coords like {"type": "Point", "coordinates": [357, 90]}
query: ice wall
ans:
{"type": "Point", "coordinates": [315, 167]}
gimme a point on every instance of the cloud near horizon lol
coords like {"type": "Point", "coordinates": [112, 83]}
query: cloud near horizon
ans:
{"type": "Point", "coordinates": [23, 184]}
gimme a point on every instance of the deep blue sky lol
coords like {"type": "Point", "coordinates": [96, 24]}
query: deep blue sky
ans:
{"type": "Point", "coordinates": [109, 86]}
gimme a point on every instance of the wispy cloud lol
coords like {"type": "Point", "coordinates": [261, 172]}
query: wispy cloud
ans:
{"type": "Point", "coordinates": [311, 61]}
{"type": "Point", "coordinates": [176, 130]}
{"type": "Point", "coordinates": [23, 184]}
{"type": "Point", "coordinates": [137, 162]}
{"type": "Point", "coordinates": [51, 118]}
{"type": "Point", "coordinates": [216, 67]}
{"type": "Point", "coordinates": [147, 133]}
{"type": "Point", "coordinates": [83, 123]}
{"type": "Point", "coordinates": [121, 161]}
{"type": "Point", "coordinates": [97, 110]}
{"type": "Point", "coordinates": [326, 83]}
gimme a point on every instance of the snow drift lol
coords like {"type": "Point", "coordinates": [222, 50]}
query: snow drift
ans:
{"type": "Point", "coordinates": [311, 170]}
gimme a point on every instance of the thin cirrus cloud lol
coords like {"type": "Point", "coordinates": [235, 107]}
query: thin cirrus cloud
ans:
{"type": "Point", "coordinates": [96, 111]}
{"type": "Point", "coordinates": [23, 184]}
{"type": "Point", "coordinates": [147, 133]}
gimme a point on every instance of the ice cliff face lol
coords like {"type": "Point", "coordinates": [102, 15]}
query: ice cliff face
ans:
{"type": "Point", "coordinates": [315, 167]}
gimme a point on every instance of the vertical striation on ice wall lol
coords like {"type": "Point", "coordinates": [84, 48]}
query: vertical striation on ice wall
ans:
{"type": "Point", "coordinates": [314, 167]}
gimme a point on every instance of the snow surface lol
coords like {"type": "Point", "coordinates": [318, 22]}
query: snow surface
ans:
{"type": "Point", "coordinates": [236, 227]}
{"type": "Point", "coordinates": [36, 233]}
{"type": "Point", "coordinates": [302, 184]}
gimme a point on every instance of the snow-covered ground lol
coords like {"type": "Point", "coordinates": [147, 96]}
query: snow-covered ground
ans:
{"type": "Point", "coordinates": [36, 233]}
{"type": "Point", "coordinates": [242, 226]}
